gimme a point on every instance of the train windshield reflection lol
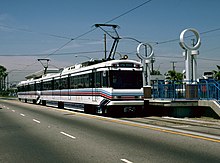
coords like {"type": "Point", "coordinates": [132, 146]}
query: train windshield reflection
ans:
{"type": "Point", "coordinates": [125, 79]}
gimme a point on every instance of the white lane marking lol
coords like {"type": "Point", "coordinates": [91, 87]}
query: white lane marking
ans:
{"type": "Point", "coordinates": [126, 161]}
{"type": "Point", "coordinates": [70, 136]}
{"type": "Point", "coordinates": [13, 110]}
{"type": "Point", "coordinates": [22, 114]}
{"type": "Point", "coordinates": [36, 121]}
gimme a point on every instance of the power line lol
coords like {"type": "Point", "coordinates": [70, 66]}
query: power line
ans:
{"type": "Point", "coordinates": [83, 34]}
{"type": "Point", "coordinates": [31, 31]}
{"type": "Point", "coordinates": [68, 53]}
{"type": "Point", "coordinates": [209, 31]}
{"type": "Point", "coordinates": [207, 59]}
{"type": "Point", "coordinates": [61, 47]}
{"type": "Point", "coordinates": [125, 13]}
{"type": "Point", "coordinates": [77, 37]}
{"type": "Point", "coordinates": [177, 39]}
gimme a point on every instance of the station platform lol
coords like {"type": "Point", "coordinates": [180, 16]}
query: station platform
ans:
{"type": "Point", "coordinates": [182, 108]}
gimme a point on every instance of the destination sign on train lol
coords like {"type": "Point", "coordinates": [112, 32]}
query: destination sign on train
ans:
{"type": "Point", "coordinates": [126, 65]}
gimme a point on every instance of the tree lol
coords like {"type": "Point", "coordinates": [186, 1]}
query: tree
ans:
{"type": "Point", "coordinates": [3, 75]}
{"type": "Point", "coordinates": [173, 75]}
{"type": "Point", "coordinates": [155, 72]}
{"type": "Point", "coordinates": [217, 73]}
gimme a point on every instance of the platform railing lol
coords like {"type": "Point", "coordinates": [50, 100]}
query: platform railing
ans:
{"type": "Point", "coordinates": [177, 90]}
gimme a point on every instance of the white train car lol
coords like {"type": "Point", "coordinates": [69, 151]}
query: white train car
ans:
{"type": "Point", "coordinates": [113, 86]}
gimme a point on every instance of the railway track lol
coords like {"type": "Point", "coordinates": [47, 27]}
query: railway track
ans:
{"type": "Point", "coordinates": [202, 125]}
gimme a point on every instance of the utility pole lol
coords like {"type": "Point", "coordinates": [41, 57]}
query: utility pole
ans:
{"type": "Point", "coordinates": [173, 63]}
{"type": "Point", "coordinates": [152, 64]}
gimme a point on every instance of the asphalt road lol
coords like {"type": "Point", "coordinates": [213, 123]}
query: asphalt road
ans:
{"type": "Point", "coordinates": [34, 133]}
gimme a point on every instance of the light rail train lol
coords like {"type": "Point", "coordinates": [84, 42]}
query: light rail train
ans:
{"type": "Point", "coordinates": [105, 87]}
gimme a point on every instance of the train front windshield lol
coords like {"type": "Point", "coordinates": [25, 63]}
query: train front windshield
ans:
{"type": "Point", "coordinates": [126, 79]}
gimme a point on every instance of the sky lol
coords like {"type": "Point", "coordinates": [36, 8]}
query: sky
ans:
{"type": "Point", "coordinates": [61, 29]}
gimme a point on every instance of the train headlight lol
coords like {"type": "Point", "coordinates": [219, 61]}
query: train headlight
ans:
{"type": "Point", "coordinates": [125, 57]}
{"type": "Point", "coordinates": [116, 97]}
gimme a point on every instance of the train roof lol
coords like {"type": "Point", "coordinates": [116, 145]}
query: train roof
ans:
{"type": "Point", "coordinates": [89, 65]}
{"type": "Point", "coordinates": [40, 73]}
{"type": "Point", "coordinates": [96, 64]}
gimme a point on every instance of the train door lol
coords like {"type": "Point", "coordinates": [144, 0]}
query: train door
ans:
{"type": "Point", "coordinates": [68, 87]}
{"type": "Point", "coordinates": [56, 90]}
{"type": "Point", "coordinates": [94, 88]}
{"type": "Point", "coordinates": [64, 88]}
{"type": "Point", "coordinates": [52, 83]}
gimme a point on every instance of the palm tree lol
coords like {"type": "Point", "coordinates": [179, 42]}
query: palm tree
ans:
{"type": "Point", "coordinates": [3, 75]}
{"type": "Point", "coordinates": [155, 72]}
{"type": "Point", "coordinates": [174, 76]}
{"type": "Point", "coordinates": [217, 73]}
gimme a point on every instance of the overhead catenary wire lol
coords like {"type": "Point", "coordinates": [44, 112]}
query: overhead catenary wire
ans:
{"type": "Point", "coordinates": [93, 29]}
{"type": "Point", "coordinates": [43, 54]}
{"type": "Point", "coordinates": [127, 12]}
{"type": "Point", "coordinates": [85, 33]}
{"type": "Point", "coordinates": [177, 39]}
{"type": "Point", "coordinates": [31, 31]}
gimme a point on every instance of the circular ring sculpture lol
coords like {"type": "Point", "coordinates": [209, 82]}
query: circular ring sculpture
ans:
{"type": "Point", "coordinates": [187, 47]}
{"type": "Point", "coordinates": [142, 56]}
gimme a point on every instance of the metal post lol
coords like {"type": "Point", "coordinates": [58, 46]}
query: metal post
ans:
{"type": "Point", "coordinates": [105, 45]}
{"type": "Point", "coordinates": [190, 54]}
{"type": "Point", "coordinates": [145, 59]}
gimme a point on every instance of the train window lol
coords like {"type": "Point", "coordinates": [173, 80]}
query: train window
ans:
{"type": "Point", "coordinates": [98, 79]}
{"type": "Point", "coordinates": [74, 81]}
{"type": "Point", "coordinates": [80, 81]}
{"type": "Point", "coordinates": [38, 86]}
{"type": "Point", "coordinates": [64, 83]}
{"type": "Point", "coordinates": [47, 85]}
{"type": "Point", "coordinates": [26, 88]}
{"type": "Point", "coordinates": [126, 79]}
{"type": "Point", "coordinates": [72, 84]}
{"type": "Point", "coordinates": [57, 84]}
{"type": "Point", "coordinates": [105, 79]}
{"type": "Point", "coordinates": [91, 80]}
{"type": "Point", "coordinates": [20, 88]}
{"type": "Point", "coordinates": [86, 80]}
{"type": "Point", "coordinates": [32, 87]}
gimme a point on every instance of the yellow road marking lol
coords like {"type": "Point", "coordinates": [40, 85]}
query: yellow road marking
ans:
{"type": "Point", "coordinates": [148, 127]}
{"type": "Point", "coordinates": [139, 125]}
